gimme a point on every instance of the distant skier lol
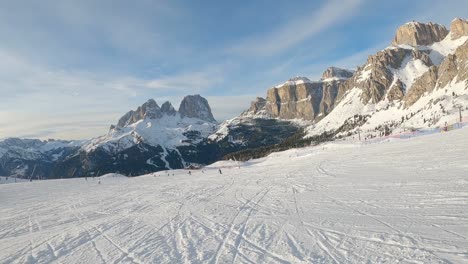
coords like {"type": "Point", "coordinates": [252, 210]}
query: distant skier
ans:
{"type": "Point", "coordinates": [220, 172]}
{"type": "Point", "coordinates": [189, 172]}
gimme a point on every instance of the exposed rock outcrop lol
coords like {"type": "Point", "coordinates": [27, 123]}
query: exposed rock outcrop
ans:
{"type": "Point", "coordinates": [303, 99]}
{"type": "Point", "coordinates": [459, 28]}
{"type": "Point", "coordinates": [295, 101]}
{"type": "Point", "coordinates": [195, 106]}
{"type": "Point", "coordinates": [415, 34]}
{"type": "Point", "coordinates": [150, 109]}
{"type": "Point", "coordinates": [454, 66]}
{"type": "Point", "coordinates": [447, 70]}
{"type": "Point", "coordinates": [257, 105]}
{"type": "Point", "coordinates": [168, 109]}
{"type": "Point", "coordinates": [396, 91]}
{"type": "Point", "coordinates": [462, 58]}
{"type": "Point", "coordinates": [330, 93]}
{"type": "Point", "coordinates": [425, 83]}
{"type": "Point", "coordinates": [334, 72]}
{"type": "Point", "coordinates": [377, 79]}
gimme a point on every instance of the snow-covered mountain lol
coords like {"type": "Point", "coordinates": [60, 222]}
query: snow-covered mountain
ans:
{"type": "Point", "coordinates": [150, 138]}
{"type": "Point", "coordinates": [420, 81]}
{"type": "Point", "coordinates": [156, 126]}
{"type": "Point", "coordinates": [295, 103]}
{"type": "Point", "coordinates": [153, 138]}
{"type": "Point", "coordinates": [26, 157]}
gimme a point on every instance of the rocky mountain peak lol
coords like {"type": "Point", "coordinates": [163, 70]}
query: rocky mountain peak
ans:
{"type": "Point", "coordinates": [257, 105]}
{"type": "Point", "coordinates": [334, 72]}
{"type": "Point", "coordinates": [195, 106]}
{"type": "Point", "coordinates": [459, 28]}
{"type": "Point", "coordinates": [416, 34]}
{"type": "Point", "coordinates": [167, 108]}
{"type": "Point", "coordinates": [150, 109]}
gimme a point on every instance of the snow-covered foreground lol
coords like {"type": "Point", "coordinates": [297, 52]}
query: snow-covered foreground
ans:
{"type": "Point", "coordinates": [400, 201]}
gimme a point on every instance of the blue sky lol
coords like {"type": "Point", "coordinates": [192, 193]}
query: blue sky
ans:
{"type": "Point", "coordinates": [69, 69]}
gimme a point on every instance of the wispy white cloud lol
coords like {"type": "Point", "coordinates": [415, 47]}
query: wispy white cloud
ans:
{"type": "Point", "coordinates": [41, 102]}
{"type": "Point", "coordinates": [194, 81]}
{"type": "Point", "coordinates": [84, 30]}
{"type": "Point", "coordinates": [77, 125]}
{"type": "Point", "coordinates": [297, 30]}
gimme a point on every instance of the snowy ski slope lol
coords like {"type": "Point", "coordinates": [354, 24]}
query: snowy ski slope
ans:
{"type": "Point", "coordinates": [402, 201]}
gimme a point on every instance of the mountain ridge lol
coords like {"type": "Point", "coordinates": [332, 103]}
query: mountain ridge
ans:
{"type": "Point", "coordinates": [419, 81]}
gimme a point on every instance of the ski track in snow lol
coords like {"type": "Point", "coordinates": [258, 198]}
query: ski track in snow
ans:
{"type": "Point", "coordinates": [403, 201]}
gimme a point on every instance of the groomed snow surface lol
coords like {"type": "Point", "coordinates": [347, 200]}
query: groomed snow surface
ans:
{"type": "Point", "coordinates": [403, 201]}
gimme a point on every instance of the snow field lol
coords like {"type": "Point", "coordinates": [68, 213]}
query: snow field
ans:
{"type": "Point", "coordinates": [401, 201]}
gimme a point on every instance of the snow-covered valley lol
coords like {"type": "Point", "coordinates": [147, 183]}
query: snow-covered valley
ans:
{"type": "Point", "coordinates": [402, 201]}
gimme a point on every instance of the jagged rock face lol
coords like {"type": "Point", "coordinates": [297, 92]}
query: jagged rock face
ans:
{"type": "Point", "coordinates": [459, 28]}
{"type": "Point", "coordinates": [191, 106]}
{"type": "Point", "coordinates": [257, 105]}
{"type": "Point", "coordinates": [454, 65]}
{"type": "Point", "coordinates": [330, 93]}
{"type": "Point", "coordinates": [376, 78]}
{"type": "Point", "coordinates": [195, 106]}
{"type": "Point", "coordinates": [374, 88]}
{"type": "Point", "coordinates": [302, 99]}
{"type": "Point", "coordinates": [168, 109]}
{"type": "Point", "coordinates": [150, 109]}
{"type": "Point", "coordinates": [462, 57]}
{"type": "Point", "coordinates": [295, 101]}
{"type": "Point", "coordinates": [447, 70]}
{"type": "Point", "coordinates": [333, 72]}
{"type": "Point", "coordinates": [425, 83]}
{"type": "Point", "coordinates": [396, 91]}
{"type": "Point", "coordinates": [416, 34]}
